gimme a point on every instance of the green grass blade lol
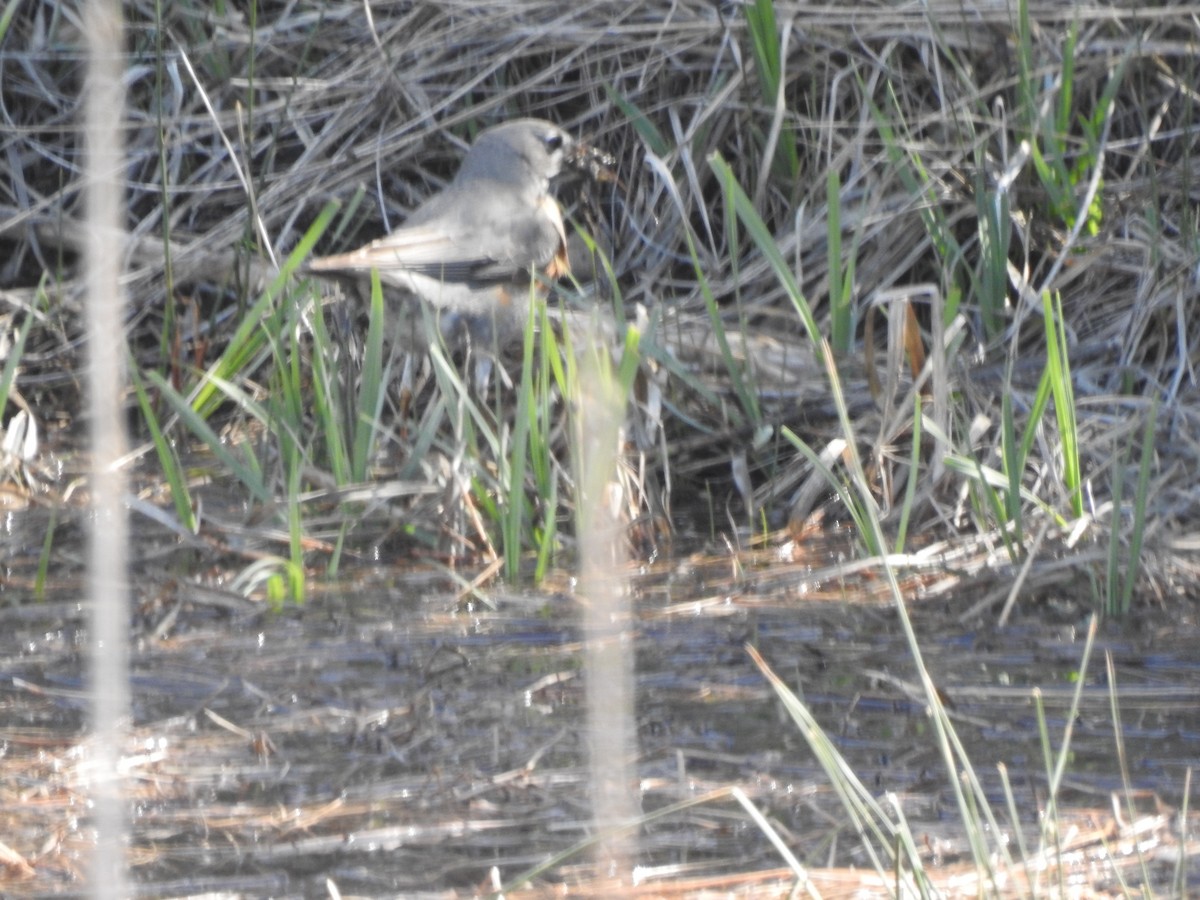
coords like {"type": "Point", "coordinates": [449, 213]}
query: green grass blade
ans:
{"type": "Point", "coordinates": [765, 242]}
{"type": "Point", "coordinates": [248, 340]}
{"type": "Point", "coordinates": [167, 459]}
{"type": "Point", "coordinates": [245, 469]}
{"type": "Point", "coordinates": [1058, 368]}
{"type": "Point", "coordinates": [841, 282]}
{"type": "Point", "coordinates": [325, 396]}
{"type": "Point", "coordinates": [372, 387]}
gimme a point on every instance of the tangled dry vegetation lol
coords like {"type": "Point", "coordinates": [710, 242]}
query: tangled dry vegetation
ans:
{"type": "Point", "coordinates": [941, 166]}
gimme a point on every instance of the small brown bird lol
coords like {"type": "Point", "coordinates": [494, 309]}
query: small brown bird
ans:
{"type": "Point", "coordinates": [478, 251]}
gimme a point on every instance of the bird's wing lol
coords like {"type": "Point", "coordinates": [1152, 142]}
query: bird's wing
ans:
{"type": "Point", "coordinates": [426, 250]}
{"type": "Point", "coordinates": [463, 244]}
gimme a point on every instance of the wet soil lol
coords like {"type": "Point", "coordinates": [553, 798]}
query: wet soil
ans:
{"type": "Point", "coordinates": [392, 738]}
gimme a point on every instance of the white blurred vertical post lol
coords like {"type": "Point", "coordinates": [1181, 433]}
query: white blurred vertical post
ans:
{"type": "Point", "coordinates": [108, 577]}
{"type": "Point", "coordinates": [608, 619]}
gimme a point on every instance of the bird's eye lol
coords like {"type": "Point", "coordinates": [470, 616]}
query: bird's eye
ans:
{"type": "Point", "coordinates": [554, 142]}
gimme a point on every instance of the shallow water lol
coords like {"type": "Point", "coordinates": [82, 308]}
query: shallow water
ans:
{"type": "Point", "coordinates": [390, 738]}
